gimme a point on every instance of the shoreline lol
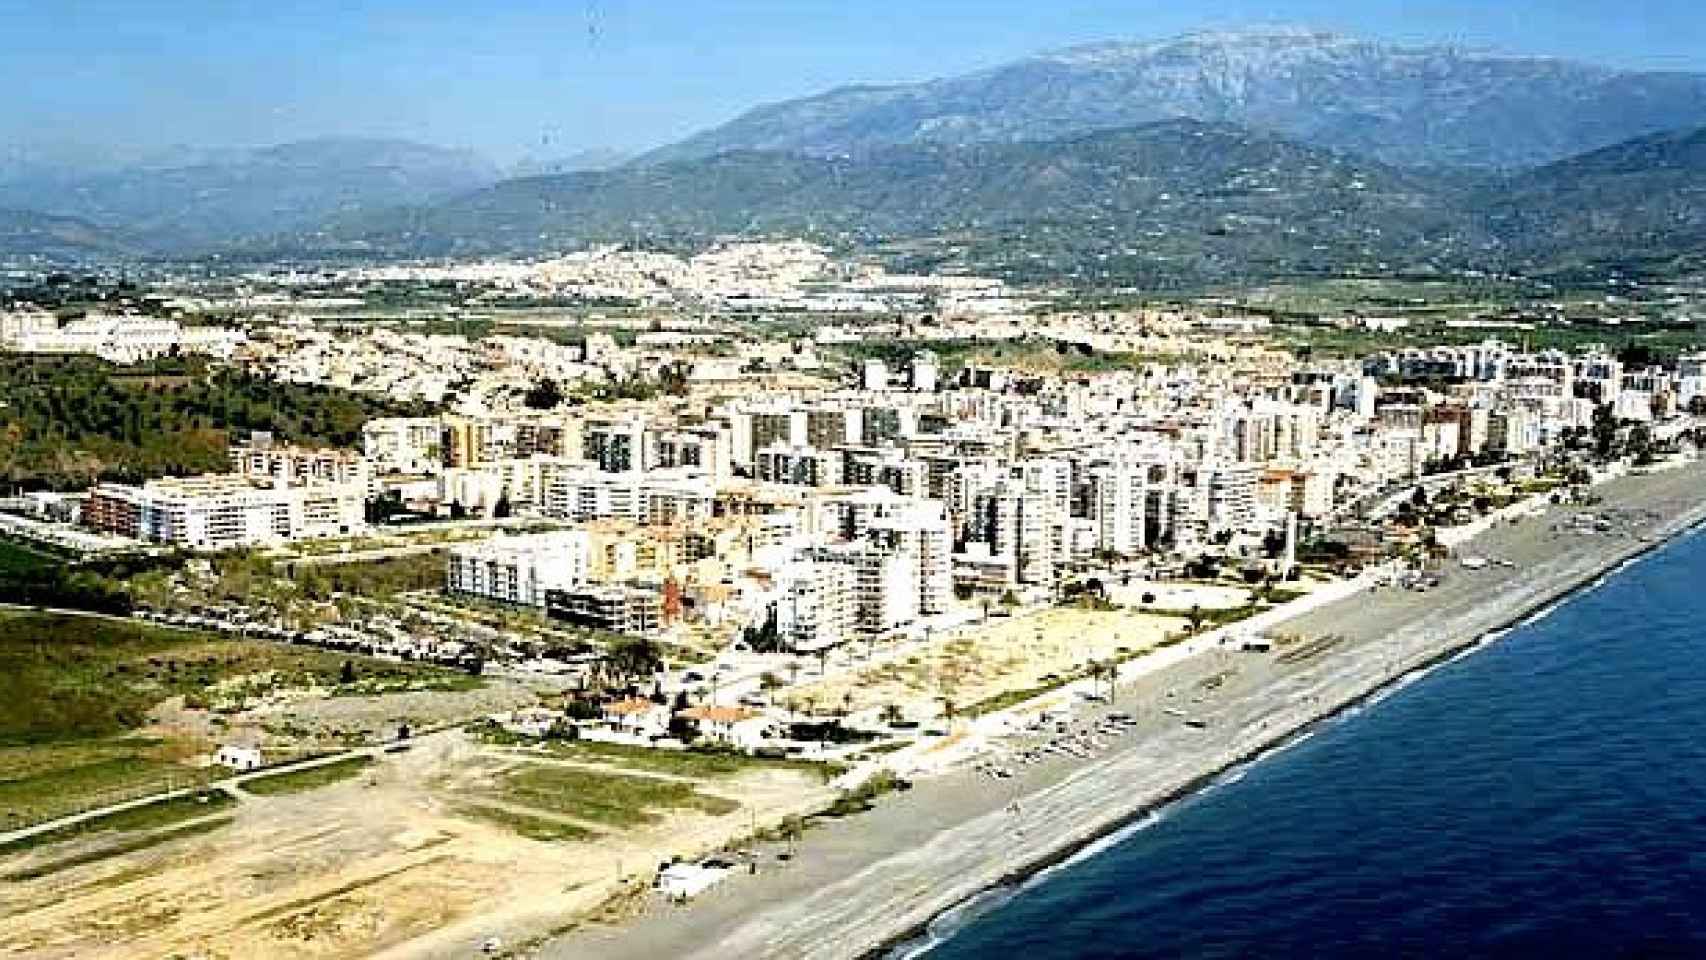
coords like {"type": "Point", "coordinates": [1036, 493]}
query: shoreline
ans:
{"type": "Point", "coordinates": [891, 890]}
{"type": "Point", "coordinates": [1018, 879]}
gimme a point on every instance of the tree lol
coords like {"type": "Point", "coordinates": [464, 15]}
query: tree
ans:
{"type": "Point", "coordinates": [547, 394]}
{"type": "Point", "coordinates": [769, 682]}
{"type": "Point", "coordinates": [1604, 432]}
{"type": "Point", "coordinates": [346, 675]}
{"type": "Point", "coordinates": [1640, 445]}
{"type": "Point", "coordinates": [890, 714]}
{"type": "Point", "coordinates": [632, 658]}
{"type": "Point", "coordinates": [1196, 617]}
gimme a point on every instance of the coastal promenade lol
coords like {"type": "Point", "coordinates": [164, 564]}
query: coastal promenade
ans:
{"type": "Point", "coordinates": [863, 884]}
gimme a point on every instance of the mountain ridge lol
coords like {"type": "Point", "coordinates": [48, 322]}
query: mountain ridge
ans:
{"type": "Point", "coordinates": [1406, 105]}
{"type": "Point", "coordinates": [225, 196]}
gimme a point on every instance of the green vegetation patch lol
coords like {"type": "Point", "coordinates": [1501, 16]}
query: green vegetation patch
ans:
{"type": "Point", "coordinates": [42, 781]}
{"type": "Point", "coordinates": [533, 828]}
{"type": "Point", "coordinates": [73, 678]}
{"type": "Point", "coordinates": [697, 764]}
{"type": "Point", "coordinates": [620, 801]}
{"type": "Point", "coordinates": [123, 848]}
{"type": "Point", "coordinates": [17, 560]}
{"type": "Point", "coordinates": [378, 579]}
{"type": "Point", "coordinates": [69, 422]}
{"type": "Point", "coordinates": [313, 778]}
{"type": "Point", "coordinates": [150, 816]}
{"type": "Point", "coordinates": [74, 689]}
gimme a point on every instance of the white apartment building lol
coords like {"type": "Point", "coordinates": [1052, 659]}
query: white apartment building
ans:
{"type": "Point", "coordinates": [885, 585]}
{"type": "Point", "coordinates": [1133, 506]}
{"type": "Point", "coordinates": [799, 466]}
{"type": "Point", "coordinates": [519, 570]}
{"type": "Point", "coordinates": [815, 605]}
{"type": "Point", "coordinates": [407, 445]}
{"type": "Point", "coordinates": [1023, 527]}
{"type": "Point", "coordinates": [225, 511]}
{"type": "Point", "coordinates": [122, 340]}
{"type": "Point", "coordinates": [1690, 377]}
{"type": "Point", "coordinates": [293, 466]}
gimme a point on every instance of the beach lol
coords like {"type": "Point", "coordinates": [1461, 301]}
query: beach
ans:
{"type": "Point", "coordinates": [861, 885]}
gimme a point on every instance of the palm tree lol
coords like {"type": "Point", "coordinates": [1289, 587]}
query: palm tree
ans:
{"type": "Point", "coordinates": [1195, 617]}
{"type": "Point", "coordinates": [847, 703]}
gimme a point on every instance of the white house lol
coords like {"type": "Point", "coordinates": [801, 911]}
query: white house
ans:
{"type": "Point", "coordinates": [530, 721]}
{"type": "Point", "coordinates": [637, 717]}
{"type": "Point", "coordinates": [733, 726]}
{"type": "Point", "coordinates": [239, 758]}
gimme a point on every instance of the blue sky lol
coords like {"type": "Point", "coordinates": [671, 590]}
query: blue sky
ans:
{"type": "Point", "coordinates": [548, 78]}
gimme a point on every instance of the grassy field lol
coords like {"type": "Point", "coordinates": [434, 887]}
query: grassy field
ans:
{"type": "Point", "coordinates": [75, 691]}
{"type": "Point", "coordinates": [700, 765]}
{"type": "Point", "coordinates": [533, 828]}
{"type": "Point", "coordinates": [128, 845]}
{"type": "Point", "coordinates": [299, 781]}
{"type": "Point", "coordinates": [611, 799]}
{"type": "Point", "coordinates": [153, 816]}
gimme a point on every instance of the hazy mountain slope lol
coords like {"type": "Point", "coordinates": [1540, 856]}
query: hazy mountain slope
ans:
{"type": "Point", "coordinates": [1180, 197]}
{"type": "Point", "coordinates": [1641, 201]}
{"type": "Point", "coordinates": [26, 233]}
{"type": "Point", "coordinates": [1410, 106]}
{"type": "Point", "coordinates": [191, 207]}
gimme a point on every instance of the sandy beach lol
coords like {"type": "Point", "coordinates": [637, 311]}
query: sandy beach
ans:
{"type": "Point", "coordinates": [858, 886]}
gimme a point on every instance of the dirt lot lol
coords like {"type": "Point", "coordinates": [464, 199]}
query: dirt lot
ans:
{"type": "Point", "coordinates": [982, 661]}
{"type": "Point", "coordinates": [419, 855]}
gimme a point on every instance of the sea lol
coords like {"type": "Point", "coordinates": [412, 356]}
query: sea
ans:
{"type": "Point", "coordinates": [1542, 797]}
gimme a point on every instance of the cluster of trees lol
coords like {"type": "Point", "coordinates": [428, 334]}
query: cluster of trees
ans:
{"type": "Point", "coordinates": [1609, 439]}
{"type": "Point", "coordinates": [69, 422]}
{"type": "Point", "coordinates": [42, 581]}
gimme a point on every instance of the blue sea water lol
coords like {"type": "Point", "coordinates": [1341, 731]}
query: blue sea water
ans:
{"type": "Point", "coordinates": [1543, 797]}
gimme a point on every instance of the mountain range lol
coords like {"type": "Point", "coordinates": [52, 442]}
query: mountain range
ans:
{"type": "Point", "coordinates": [26, 233]}
{"type": "Point", "coordinates": [1203, 158]}
{"type": "Point", "coordinates": [202, 200]}
{"type": "Point", "coordinates": [1404, 105]}
{"type": "Point", "coordinates": [1175, 190]}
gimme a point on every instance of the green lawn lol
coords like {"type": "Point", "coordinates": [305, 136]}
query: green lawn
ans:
{"type": "Point", "coordinates": [605, 798]}
{"type": "Point", "coordinates": [298, 781]}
